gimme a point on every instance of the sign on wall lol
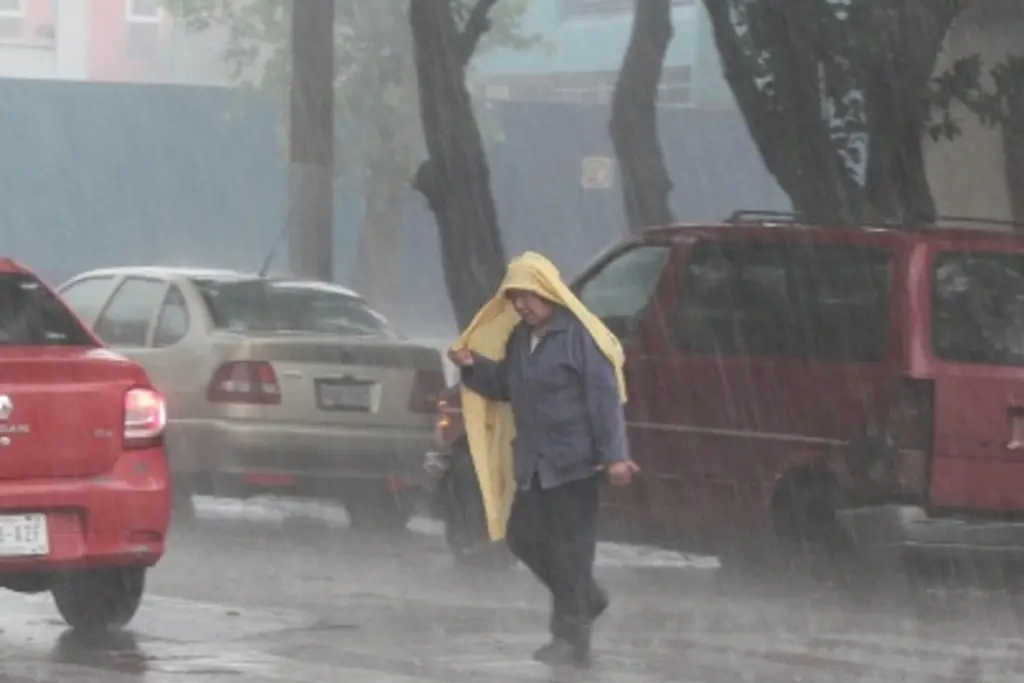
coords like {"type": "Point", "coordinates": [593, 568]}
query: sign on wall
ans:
{"type": "Point", "coordinates": [598, 173]}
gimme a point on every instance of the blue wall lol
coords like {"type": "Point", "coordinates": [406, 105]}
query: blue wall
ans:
{"type": "Point", "coordinates": [96, 175]}
{"type": "Point", "coordinates": [536, 172]}
{"type": "Point", "coordinates": [99, 175]}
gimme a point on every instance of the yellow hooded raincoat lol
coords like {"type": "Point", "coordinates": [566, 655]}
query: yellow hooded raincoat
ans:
{"type": "Point", "coordinates": [489, 424]}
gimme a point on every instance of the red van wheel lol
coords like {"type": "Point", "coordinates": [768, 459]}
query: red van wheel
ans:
{"type": "Point", "coordinates": [809, 539]}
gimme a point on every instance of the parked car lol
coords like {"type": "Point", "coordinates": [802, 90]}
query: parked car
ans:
{"type": "Point", "coordinates": [807, 389]}
{"type": "Point", "coordinates": [84, 486]}
{"type": "Point", "coordinates": [274, 385]}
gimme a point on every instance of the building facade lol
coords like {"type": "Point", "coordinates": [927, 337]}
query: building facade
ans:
{"type": "Point", "coordinates": [581, 50]}
{"type": "Point", "coordinates": [104, 40]}
{"type": "Point", "coordinates": [581, 47]}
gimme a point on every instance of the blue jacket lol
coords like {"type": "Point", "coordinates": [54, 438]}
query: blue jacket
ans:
{"type": "Point", "coordinates": [565, 401]}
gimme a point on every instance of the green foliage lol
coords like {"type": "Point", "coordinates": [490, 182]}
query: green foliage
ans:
{"type": "Point", "coordinates": [838, 94]}
{"type": "Point", "coordinates": [996, 97]}
{"type": "Point", "coordinates": [377, 112]}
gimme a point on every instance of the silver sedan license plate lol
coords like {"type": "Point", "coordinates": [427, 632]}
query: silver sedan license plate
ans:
{"type": "Point", "coordinates": [347, 394]}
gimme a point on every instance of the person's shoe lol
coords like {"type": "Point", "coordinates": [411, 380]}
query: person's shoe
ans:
{"type": "Point", "coordinates": [563, 653]}
{"type": "Point", "coordinates": [581, 650]}
{"type": "Point", "coordinates": [556, 652]}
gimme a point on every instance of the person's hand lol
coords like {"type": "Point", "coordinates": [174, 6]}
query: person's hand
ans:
{"type": "Point", "coordinates": [621, 473]}
{"type": "Point", "coordinates": [462, 357]}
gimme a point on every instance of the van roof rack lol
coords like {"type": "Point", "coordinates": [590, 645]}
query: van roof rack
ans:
{"type": "Point", "coordinates": [1018, 225]}
{"type": "Point", "coordinates": [748, 216]}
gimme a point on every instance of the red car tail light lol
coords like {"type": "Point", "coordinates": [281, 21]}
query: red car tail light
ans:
{"type": "Point", "coordinates": [252, 382]}
{"type": "Point", "coordinates": [145, 417]}
{"type": "Point", "coordinates": [426, 389]}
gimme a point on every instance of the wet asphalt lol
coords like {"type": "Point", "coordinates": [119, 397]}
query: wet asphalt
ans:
{"type": "Point", "coordinates": [260, 592]}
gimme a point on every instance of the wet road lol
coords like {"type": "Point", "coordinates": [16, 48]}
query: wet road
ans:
{"type": "Point", "coordinates": [262, 592]}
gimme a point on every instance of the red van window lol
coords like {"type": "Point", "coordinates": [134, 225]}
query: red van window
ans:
{"type": "Point", "coordinates": [978, 308]}
{"type": "Point", "coordinates": [620, 292]}
{"type": "Point", "coordinates": [826, 301]}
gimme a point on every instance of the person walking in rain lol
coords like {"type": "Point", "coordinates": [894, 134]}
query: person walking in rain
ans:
{"type": "Point", "coordinates": [536, 364]}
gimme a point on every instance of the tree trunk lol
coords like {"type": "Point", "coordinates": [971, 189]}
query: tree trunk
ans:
{"type": "Point", "coordinates": [311, 168]}
{"type": "Point", "coordinates": [455, 178]}
{"type": "Point", "coordinates": [646, 184]}
{"type": "Point", "coordinates": [380, 243]}
{"type": "Point", "coordinates": [906, 40]}
{"type": "Point", "coordinates": [783, 111]}
{"type": "Point", "coordinates": [815, 174]}
{"type": "Point", "coordinates": [778, 70]}
{"type": "Point", "coordinates": [1014, 145]}
{"type": "Point", "coordinates": [897, 188]}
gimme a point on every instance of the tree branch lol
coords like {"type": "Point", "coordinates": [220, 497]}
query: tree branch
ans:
{"type": "Point", "coordinates": [478, 23]}
{"type": "Point", "coordinates": [646, 183]}
{"type": "Point", "coordinates": [740, 74]}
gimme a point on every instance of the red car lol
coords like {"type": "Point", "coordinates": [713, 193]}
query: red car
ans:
{"type": "Point", "coordinates": [84, 488]}
{"type": "Point", "coordinates": [798, 391]}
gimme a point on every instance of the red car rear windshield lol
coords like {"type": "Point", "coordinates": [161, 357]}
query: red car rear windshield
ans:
{"type": "Point", "coordinates": [31, 315]}
{"type": "Point", "coordinates": [978, 308]}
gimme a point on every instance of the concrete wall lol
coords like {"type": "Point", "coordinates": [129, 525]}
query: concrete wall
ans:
{"type": "Point", "coordinates": [968, 175]}
{"type": "Point", "coordinates": [72, 30]}
{"type": "Point", "coordinates": [24, 60]}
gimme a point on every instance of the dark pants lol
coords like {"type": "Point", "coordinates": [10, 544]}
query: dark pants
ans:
{"type": "Point", "coordinates": [554, 533]}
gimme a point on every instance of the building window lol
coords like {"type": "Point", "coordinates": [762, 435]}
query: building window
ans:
{"type": "Point", "coordinates": [143, 29]}
{"type": "Point", "coordinates": [592, 7]}
{"type": "Point", "coordinates": [12, 19]}
{"type": "Point", "coordinates": [144, 11]}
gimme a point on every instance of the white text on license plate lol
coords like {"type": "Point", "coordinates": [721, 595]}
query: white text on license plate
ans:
{"type": "Point", "coordinates": [24, 536]}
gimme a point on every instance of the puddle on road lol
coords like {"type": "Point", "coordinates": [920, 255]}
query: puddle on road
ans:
{"type": "Point", "coordinates": [274, 510]}
{"type": "Point", "coordinates": [169, 636]}
{"type": "Point", "coordinates": [130, 654]}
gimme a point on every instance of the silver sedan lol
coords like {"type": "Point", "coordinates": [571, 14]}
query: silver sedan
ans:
{"type": "Point", "coordinates": [288, 386]}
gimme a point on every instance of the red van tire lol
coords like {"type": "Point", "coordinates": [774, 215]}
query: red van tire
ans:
{"type": "Point", "coordinates": [97, 600]}
{"type": "Point", "coordinates": [808, 537]}
{"type": "Point", "coordinates": [748, 560]}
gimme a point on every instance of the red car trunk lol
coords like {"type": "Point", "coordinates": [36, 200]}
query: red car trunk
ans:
{"type": "Point", "coordinates": [61, 411]}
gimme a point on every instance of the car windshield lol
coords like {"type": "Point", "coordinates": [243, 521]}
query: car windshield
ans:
{"type": "Point", "coordinates": [31, 315]}
{"type": "Point", "coordinates": [277, 306]}
{"type": "Point", "coordinates": [978, 308]}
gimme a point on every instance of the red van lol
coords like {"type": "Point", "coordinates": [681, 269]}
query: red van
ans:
{"type": "Point", "coordinates": [810, 387]}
